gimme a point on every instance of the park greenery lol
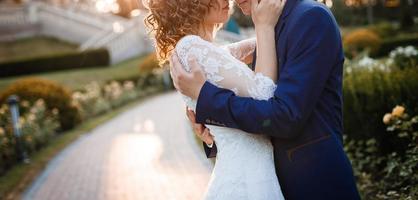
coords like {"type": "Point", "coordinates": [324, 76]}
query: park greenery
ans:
{"type": "Point", "coordinates": [41, 59]}
{"type": "Point", "coordinates": [383, 147]}
{"type": "Point", "coordinates": [372, 86]}
{"type": "Point", "coordinates": [380, 93]}
{"type": "Point", "coordinates": [51, 108]}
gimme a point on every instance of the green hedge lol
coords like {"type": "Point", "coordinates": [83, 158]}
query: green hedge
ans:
{"type": "Point", "coordinates": [88, 58]}
{"type": "Point", "coordinates": [368, 95]}
{"type": "Point", "coordinates": [390, 44]}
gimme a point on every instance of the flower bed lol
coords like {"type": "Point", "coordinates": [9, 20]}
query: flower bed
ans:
{"type": "Point", "coordinates": [390, 175]}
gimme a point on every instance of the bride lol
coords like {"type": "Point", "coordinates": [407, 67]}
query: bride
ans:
{"type": "Point", "coordinates": [244, 167]}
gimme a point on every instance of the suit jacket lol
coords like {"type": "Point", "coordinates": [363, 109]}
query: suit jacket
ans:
{"type": "Point", "coordinates": [304, 118]}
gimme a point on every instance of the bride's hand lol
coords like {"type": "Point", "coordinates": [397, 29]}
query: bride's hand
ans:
{"type": "Point", "coordinates": [266, 13]}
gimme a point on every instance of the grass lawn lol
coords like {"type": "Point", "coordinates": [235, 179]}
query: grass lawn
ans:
{"type": "Point", "coordinates": [16, 180]}
{"type": "Point", "coordinates": [76, 79]}
{"type": "Point", "coordinates": [33, 47]}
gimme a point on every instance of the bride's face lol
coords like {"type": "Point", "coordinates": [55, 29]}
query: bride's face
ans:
{"type": "Point", "coordinates": [219, 13]}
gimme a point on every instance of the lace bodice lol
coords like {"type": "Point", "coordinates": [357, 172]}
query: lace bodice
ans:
{"type": "Point", "coordinates": [244, 164]}
{"type": "Point", "coordinates": [223, 67]}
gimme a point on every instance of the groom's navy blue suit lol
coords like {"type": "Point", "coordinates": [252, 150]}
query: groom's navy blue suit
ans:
{"type": "Point", "coordinates": [304, 117]}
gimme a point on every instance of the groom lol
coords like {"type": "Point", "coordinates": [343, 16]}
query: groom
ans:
{"type": "Point", "coordinates": [304, 118]}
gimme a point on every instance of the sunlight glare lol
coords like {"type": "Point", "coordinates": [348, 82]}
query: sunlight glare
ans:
{"type": "Point", "coordinates": [135, 13]}
{"type": "Point", "coordinates": [106, 6]}
{"type": "Point", "coordinates": [149, 126]}
{"type": "Point", "coordinates": [117, 27]}
{"type": "Point", "coordinates": [329, 3]}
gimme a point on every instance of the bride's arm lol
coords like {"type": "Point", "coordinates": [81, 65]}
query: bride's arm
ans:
{"type": "Point", "coordinates": [242, 50]}
{"type": "Point", "coordinates": [265, 18]}
{"type": "Point", "coordinates": [222, 69]}
{"type": "Point", "coordinates": [266, 62]}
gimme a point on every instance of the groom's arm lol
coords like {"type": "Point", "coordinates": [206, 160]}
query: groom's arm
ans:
{"type": "Point", "coordinates": [313, 49]}
{"type": "Point", "coordinates": [210, 151]}
{"type": "Point", "coordinates": [204, 134]}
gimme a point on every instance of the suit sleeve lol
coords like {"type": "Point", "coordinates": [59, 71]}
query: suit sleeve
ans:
{"type": "Point", "coordinates": [313, 49]}
{"type": "Point", "coordinates": [210, 152]}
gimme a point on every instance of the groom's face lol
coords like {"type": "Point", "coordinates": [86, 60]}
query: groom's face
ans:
{"type": "Point", "coordinates": [245, 6]}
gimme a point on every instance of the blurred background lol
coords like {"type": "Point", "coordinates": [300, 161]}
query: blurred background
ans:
{"type": "Point", "coordinates": [76, 64]}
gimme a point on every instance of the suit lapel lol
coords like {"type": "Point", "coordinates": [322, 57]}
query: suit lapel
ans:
{"type": "Point", "coordinates": [290, 4]}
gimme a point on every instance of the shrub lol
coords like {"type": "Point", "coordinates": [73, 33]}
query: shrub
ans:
{"type": "Point", "coordinates": [119, 93]}
{"type": "Point", "coordinates": [151, 73]}
{"type": "Point", "coordinates": [390, 44]}
{"type": "Point", "coordinates": [95, 100]}
{"type": "Point", "coordinates": [90, 101]}
{"type": "Point", "coordinates": [366, 63]}
{"type": "Point", "coordinates": [89, 58]}
{"type": "Point", "coordinates": [391, 175]}
{"type": "Point", "coordinates": [38, 126]}
{"type": "Point", "coordinates": [368, 93]}
{"type": "Point", "coordinates": [54, 95]}
{"type": "Point", "coordinates": [149, 64]}
{"type": "Point", "coordinates": [407, 19]}
{"type": "Point", "coordinates": [405, 57]}
{"type": "Point", "coordinates": [385, 30]}
{"type": "Point", "coordinates": [361, 40]}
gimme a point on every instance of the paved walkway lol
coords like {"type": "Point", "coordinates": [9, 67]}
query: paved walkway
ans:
{"type": "Point", "coordinates": [148, 152]}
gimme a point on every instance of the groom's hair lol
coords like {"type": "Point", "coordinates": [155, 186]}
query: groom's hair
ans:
{"type": "Point", "coordinates": [170, 20]}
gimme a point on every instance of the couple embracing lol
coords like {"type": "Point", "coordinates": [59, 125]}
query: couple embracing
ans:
{"type": "Point", "coordinates": [275, 128]}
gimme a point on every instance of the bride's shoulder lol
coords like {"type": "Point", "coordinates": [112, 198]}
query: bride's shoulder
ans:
{"type": "Point", "coordinates": [190, 41]}
{"type": "Point", "coordinates": [193, 44]}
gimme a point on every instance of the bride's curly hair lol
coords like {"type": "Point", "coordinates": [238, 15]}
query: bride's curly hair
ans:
{"type": "Point", "coordinates": [170, 20]}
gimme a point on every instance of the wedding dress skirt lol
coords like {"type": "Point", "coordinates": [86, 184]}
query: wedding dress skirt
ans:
{"type": "Point", "coordinates": [244, 168]}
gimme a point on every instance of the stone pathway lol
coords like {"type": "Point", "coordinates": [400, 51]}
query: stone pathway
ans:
{"type": "Point", "coordinates": [148, 152]}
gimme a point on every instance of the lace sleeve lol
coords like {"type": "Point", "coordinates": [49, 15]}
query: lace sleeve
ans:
{"type": "Point", "coordinates": [242, 49]}
{"type": "Point", "coordinates": [223, 70]}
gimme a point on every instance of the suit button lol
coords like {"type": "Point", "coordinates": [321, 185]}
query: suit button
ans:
{"type": "Point", "coordinates": [208, 121]}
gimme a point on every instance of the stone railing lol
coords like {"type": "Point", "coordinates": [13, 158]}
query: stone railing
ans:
{"type": "Point", "coordinates": [129, 43]}
{"type": "Point", "coordinates": [11, 16]}
{"type": "Point", "coordinates": [15, 23]}
{"type": "Point", "coordinates": [123, 38]}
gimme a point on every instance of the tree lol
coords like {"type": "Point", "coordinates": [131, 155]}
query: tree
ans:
{"type": "Point", "coordinates": [406, 18]}
{"type": "Point", "coordinates": [369, 4]}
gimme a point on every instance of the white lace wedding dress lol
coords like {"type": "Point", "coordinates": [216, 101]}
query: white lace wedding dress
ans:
{"type": "Point", "coordinates": [244, 166]}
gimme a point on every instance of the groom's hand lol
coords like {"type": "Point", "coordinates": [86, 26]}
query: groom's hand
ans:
{"type": "Point", "coordinates": [188, 84]}
{"type": "Point", "coordinates": [201, 131]}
